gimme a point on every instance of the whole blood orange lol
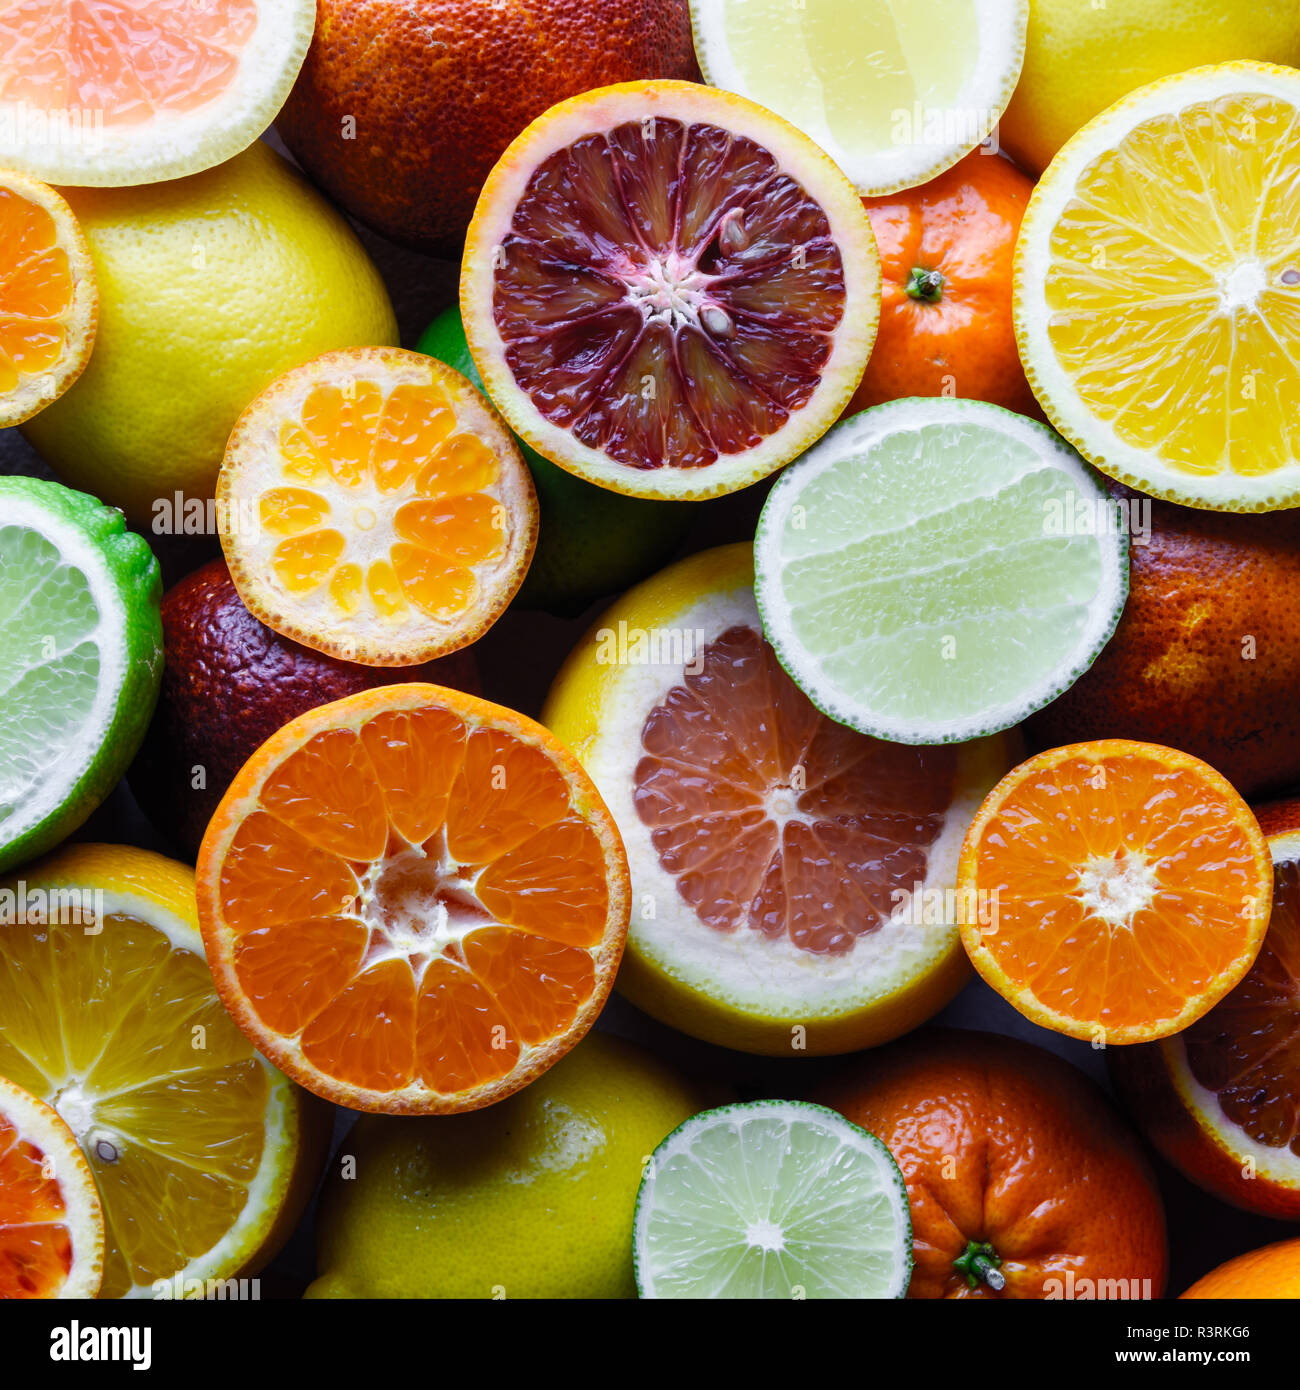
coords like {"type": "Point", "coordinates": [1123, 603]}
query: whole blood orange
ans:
{"type": "Point", "coordinates": [1273, 1272]}
{"type": "Point", "coordinates": [401, 110]}
{"type": "Point", "coordinates": [1022, 1180]}
{"type": "Point", "coordinates": [229, 682]}
{"type": "Point", "coordinates": [412, 900]}
{"type": "Point", "coordinates": [946, 253]}
{"type": "Point", "coordinates": [1206, 656]}
{"type": "Point", "coordinates": [1221, 1100]}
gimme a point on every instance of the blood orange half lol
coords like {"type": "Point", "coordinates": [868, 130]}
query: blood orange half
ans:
{"type": "Point", "coordinates": [668, 290]}
{"type": "Point", "coordinates": [791, 877]}
{"type": "Point", "coordinates": [1221, 1100]}
{"type": "Point", "coordinates": [113, 92]}
{"type": "Point", "coordinates": [51, 1220]}
{"type": "Point", "coordinates": [413, 900]}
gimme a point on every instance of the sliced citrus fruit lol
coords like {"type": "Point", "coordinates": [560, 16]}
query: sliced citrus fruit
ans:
{"type": "Point", "coordinates": [112, 92]}
{"type": "Point", "coordinates": [1157, 292]}
{"type": "Point", "coordinates": [82, 638]}
{"type": "Point", "coordinates": [894, 93]}
{"type": "Point", "coordinates": [373, 506]}
{"type": "Point", "coordinates": [49, 303]}
{"type": "Point", "coordinates": [668, 290]}
{"type": "Point", "coordinates": [51, 1220]}
{"type": "Point", "coordinates": [1128, 890]}
{"type": "Point", "coordinates": [414, 901]}
{"type": "Point", "coordinates": [204, 1156]}
{"type": "Point", "coordinates": [773, 1199]}
{"type": "Point", "coordinates": [792, 879]}
{"type": "Point", "coordinates": [1221, 1100]}
{"type": "Point", "coordinates": [936, 569]}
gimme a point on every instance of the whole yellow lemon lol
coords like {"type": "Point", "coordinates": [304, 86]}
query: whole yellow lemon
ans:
{"type": "Point", "coordinates": [530, 1198]}
{"type": "Point", "coordinates": [1081, 56]}
{"type": "Point", "coordinates": [210, 287]}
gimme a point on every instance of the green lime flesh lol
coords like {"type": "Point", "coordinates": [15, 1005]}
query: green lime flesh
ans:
{"type": "Point", "coordinates": [934, 570]}
{"type": "Point", "coordinates": [772, 1199]}
{"type": "Point", "coordinates": [82, 637]}
{"type": "Point", "coordinates": [591, 541]}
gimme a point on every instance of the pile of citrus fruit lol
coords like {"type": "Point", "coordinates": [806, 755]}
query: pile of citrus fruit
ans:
{"type": "Point", "coordinates": [811, 567]}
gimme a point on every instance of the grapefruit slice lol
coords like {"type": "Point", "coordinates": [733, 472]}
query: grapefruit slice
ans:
{"type": "Point", "coordinates": [668, 290]}
{"type": "Point", "coordinates": [791, 877]}
{"type": "Point", "coordinates": [49, 303]}
{"type": "Point", "coordinates": [1128, 890]}
{"type": "Point", "coordinates": [51, 1221]}
{"type": "Point", "coordinates": [372, 506]}
{"type": "Point", "coordinates": [203, 1155]}
{"type": "Point", "coordinates": [113, 92]}
{"type": "Point", "coordinates": [414, 901]}
{"type": "Point", "coordinates": [1221, 1100]}
{"type": "Point", "coordinates": [1157, 288]}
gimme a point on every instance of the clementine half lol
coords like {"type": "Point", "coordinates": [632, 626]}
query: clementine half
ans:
{"type": "Point", "coordinates": [946, 253]}
{"type": "Point", "coordinates": [1023, 1182]}
{"type": "Point", "coordinates": [413, 900]}
{"type": "Point", "coordinates": [1113, 891]}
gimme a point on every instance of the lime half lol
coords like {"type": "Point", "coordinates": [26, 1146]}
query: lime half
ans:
{"type": "Point", "coordinates": [774, 1199]}
{"type": "Point", "coordinates": [82, 640]}
{"type": "Point", "coordinates": [937, 569]}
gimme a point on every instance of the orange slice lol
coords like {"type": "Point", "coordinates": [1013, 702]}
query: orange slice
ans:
{"type": "Point", "coordinates": [1221, 1100]}
{"type": "Point", "coordinates": [413, 900]}
{"type": "Point", "coordinates": [373, 506]}
{"type": "Point", "coordinates": [51, 1221]}
{"type": "Point", "coordinates": [49, 304]}
{"type": "Point", "coordinates": [668, 290]}
{"type": "Point", "coordinates": [112, 92]}
{"type": "Point", "coordinates": [1127, 889]}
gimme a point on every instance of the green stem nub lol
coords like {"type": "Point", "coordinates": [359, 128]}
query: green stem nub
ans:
{"type": "Point", "coordinates": [979, 1263]}
{"type": "Point", "coordinates": [925, 285]}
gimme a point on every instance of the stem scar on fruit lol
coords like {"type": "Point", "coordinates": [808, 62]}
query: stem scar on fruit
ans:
{"type": "Point", "coordinates": [925, 285]}
{"type": "Point", "coordinates": [979, 1261]}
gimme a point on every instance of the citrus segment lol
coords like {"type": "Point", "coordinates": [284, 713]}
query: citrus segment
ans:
{"type": "Point", "coordinates": [936, 568]}
{"type": "Point", "coordinates": [667, 290]}
{"type": "Point", "coordinates": [414, 900]}
{"type": "Point", "coordinates": [374, 508]}
{"type": "Point", "coordinates": [894, 93]}
{"type": "Point", "coordinates": [200, 1150]}
{"type": "Point", "coordinates": [51, 1220]}
{"type": "Point", "coordinates": [1158, 288]}
{"type": "Point", "coordinates": [49, 304]}
{"type": "Point", "coordinates": [1130, 890]}
{"type": "Point", "coordinates": [111, 92]}
{"type": "Point", "coordinates": [788, 873]}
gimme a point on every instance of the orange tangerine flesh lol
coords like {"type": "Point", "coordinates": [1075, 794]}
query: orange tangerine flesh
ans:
{"type": "Point", "coordinates": [666, 286]}
{"type": "Point", "coordinates": [373, 507]}
{"type": "Point", "coordinates": [774, 819]}
{"type": "Point", "coordinates": [1130, 885]}
{"type": "Point", "coordinates": [413, 900]}
{"type": "Point", "coordinates": [48, 301]}
{"type": "Point", "coordinates": [51, 1221]}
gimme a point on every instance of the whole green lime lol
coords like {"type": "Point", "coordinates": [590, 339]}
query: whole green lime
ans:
{"type": "Point", "coordinates": [591, 541]}
{"type": "Point", "coordinates": [530, 1198]}
{"type": "Point", "coordinates": [83, 656]}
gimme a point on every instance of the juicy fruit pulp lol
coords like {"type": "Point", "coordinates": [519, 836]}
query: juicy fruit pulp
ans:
{"type": "Point", "coordinates": [121, 1032]}
{"type": "Point", "coordinates": [390, 515]}
{"type": "Point", "coordinates": [1132, 889]}
{"type": "Point", "coordinates": [1158, 299]}
{"type": "Point", "coordinates": [935, 568]}
{"type": "Point", "coordinates": [774, 819]}
{"type": "Point", "coordinates": [775, 1199]}
{"type": "Point", "coordinates": [678, 323]}
{"type": "Point", "coordinates": [413, 900]}
{"type": "Point", "coordinates": [127, 61]}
